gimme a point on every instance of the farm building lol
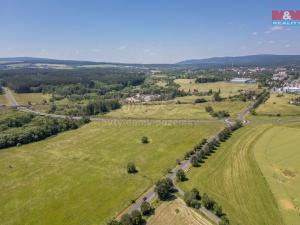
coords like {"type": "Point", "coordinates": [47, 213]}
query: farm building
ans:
{"type": "Point", "coordinates": [242, 80]}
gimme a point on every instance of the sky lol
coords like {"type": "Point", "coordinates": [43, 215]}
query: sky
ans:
{"type": "Point", "coordinates": [144, 31]}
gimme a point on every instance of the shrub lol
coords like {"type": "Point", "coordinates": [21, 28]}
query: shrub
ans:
{"type": "Point", "coordinates": [126, 219]}
{"type": "Point", "coordinates": [131, 168]}
{"type": "Point", "coordinates": [200, 100]}
{"type": "Point", "coordinates": [145, 140]}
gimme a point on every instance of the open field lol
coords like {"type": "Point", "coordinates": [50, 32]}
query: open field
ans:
{"type": "Point", "coordinates": [233, 178]}
{"type": "Point", "coordinates": [227, 89]}
{"type": "Point", "coordinates": [34, 98]}
{"type": "Point", "coordinates": [79, 176]}
{"type": "Point", "coordinates": [176, 111]}
{"type": "Point", "coordinates": [3, 100]}
{"type": "Point", "coordinates": [278, 155]}
{"type": "Point", "coordinates": [279, 105]}
{"type": "Point", "coordinates": [176, 213]}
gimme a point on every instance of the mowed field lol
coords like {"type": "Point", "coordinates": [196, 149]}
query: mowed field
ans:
{"type": "Point", "coordinates": [227, 88]}
{"type": "Point", "coordinates": [176, 213]}
{"type": "Point", "coordinates": [275, 105]}
{"type": "Point", "coordinates": [278, 155]}
{"type": "Point", "coordinates": [233, 178]}
{"type": "Point", "coordinates": [80, 177]}
{"type": "Point", "coordinates": [176, 111]}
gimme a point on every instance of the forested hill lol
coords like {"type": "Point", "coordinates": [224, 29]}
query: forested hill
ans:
{"type": "Point", "coordinates": [250, 60]}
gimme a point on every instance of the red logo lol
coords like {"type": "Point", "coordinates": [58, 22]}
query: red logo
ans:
{"type": "Point", "coordinates": [286, 15]}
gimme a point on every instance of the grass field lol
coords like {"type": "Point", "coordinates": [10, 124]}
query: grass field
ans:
{"type": "Point", "coordinates": [275, 105]}
{"type": "Point", "coordinates": [3, 100]}
{"type": "Point", "coordinates": [79, 176]}
{"type": "Point", "coordinates": [233, 178]}
{"type": "Point", "coordinates": [227, 89]}
{"type": "Point", "coordinates": [176, 111]}
{"type": "Point", "coordinates": [176, 213]}
{"type": "Point", "coordinates": [34, 98]}
{"type": "Point", "coordinates": [278, 155]}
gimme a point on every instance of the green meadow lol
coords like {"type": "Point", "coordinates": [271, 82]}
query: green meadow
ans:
{"type": "Point", "coordinates": [234, 179]}
{"type": "Point", "coordinates": [278, 155]}
{"type": "Point", "coordinates": [80, 177]}
{"type": "Point", "coordinates": [176, 111]}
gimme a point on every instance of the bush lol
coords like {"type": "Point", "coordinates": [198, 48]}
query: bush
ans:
{"type": "Point", "coordinates": [114, 222]}
{"type": "Point", "coordinates": [145, 140]}
{"type": "Point", "coordinates": [131, 168]}
{"type": "Point", "coordinates": [126, 219]}
{"type": "Point", "coordinates": [200, 100]}
{"type": "Point", "coordinates": [209, 109]}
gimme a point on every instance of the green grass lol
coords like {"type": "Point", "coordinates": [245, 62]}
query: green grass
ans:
{"type": "Point", "coordinates": [3, 100]}
{"type": "Point", "coordinates": [176, 111]}
{"type": "Point", "coordinates": [34, 98]}
{"type": "Point", "coordinates": [233, 178]}
{"type": "Point", "coordinates": [277, 153]}
{"type": "Point", "coordinates": [275, 105]}
{"type": "Point", "coordinates": [79, 177]}
{"type": "Point", "coordinates": [227, 88]}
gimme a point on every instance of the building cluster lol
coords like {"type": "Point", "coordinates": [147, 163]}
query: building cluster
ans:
{"type": "Point", "coordinates": [139, 98]}
{"type": "Point", "coordinates": [281, 74]}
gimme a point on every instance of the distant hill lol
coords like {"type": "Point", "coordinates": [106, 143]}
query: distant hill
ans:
{"type": "Point", "coordinates": [250, 60]}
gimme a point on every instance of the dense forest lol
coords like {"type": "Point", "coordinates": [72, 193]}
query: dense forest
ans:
{"type": "Point", "coordinates": [35, 80]}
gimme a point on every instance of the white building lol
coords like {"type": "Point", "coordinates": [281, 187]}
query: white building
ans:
{"type": "Point", "coordinates": [242, 80]}
{"type": "Point", "coordinates": [292, 90]}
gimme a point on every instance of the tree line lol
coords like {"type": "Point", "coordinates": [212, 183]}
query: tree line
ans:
{"type": "Point", "coordinates": [27, 129]}
{"type": "Point", "coordinates": [35, 80]}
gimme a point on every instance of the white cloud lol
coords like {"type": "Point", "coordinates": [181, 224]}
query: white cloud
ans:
{"type": "Point", "coordinates": [287, 45]}
{"type": "Point", "coordinates": [122, 47]}
{"type": "Point", "coordinates": [254, 33]}
{"type": "Point", "coordinates": [271, 42]}
{"type": "Point", "coordinates": [276, 28]}
{"type": "Point", "coordinates": [95, 50]}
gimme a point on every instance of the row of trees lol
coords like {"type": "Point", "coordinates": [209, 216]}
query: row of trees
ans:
{"type": "Point", "coordinates": [219, 114]}
{"type": "Point", "coordinates": [208, 79]}
{"type": "Point", "coordinates": [261, 98]}
{"type": "Point", "coordinates": [194, 199]}
{"type": "Point", "coordinates": [204, 148]}
{"type": "Point", "coordinates": [37, 129]}
{"type": "Point", "coordinates": [135, 217]}
{"type": "Point", "coordinates": [101, 106]}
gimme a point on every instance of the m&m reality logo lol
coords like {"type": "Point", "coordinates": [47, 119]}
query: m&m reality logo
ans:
{"type": "Point", "coordinates": [286, 17]}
